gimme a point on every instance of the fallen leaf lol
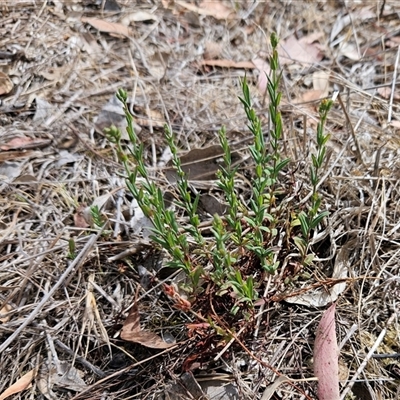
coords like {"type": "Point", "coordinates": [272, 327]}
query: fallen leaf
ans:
{"type": "Point", "coordinates": [44, 109]}
{"type": "Point", "coordinates": [131, 332]}
{"type": "Point", "coordinates": [154, 117]}
{"type": "Point", "coordinates": [321, 297]}
{"type": "Point", "coordinates": [63, 376]}
{"type": "Point", "coordinates": [311, 95]}
{"type": "Point", "coordinates": [82, 216]}
{"type": "Point", "coordinates": [210, 205]}
{"type": "Point", "coordinates": [343, 20]}
{"type": "Point", "coordinates": [212, 50]}
{"type": "Point", "coordinates": [321, 81]}
{"type": "Point", "coordinates": [386, 92]}
{"type": "Point", "coordinates": [200, 164]}
{"type": "Point", "coordinates": [138, 16]}
{"type": "Point", "coordinates": [3, 311]}
{"type": "Point", "coordinates": [395, 123]}
{"type": "Point", "coordinates": [24, 142]}
{"type": "Point", "coordinates": [214, 9]}
{"type": "Point", "coordinates": [304, 51]}
{"type": "Point", "coordinates": [228, 64]}
{"type": "Point", "coordinates": [264, 71]}
{"type": "Point", "coordinates": [350, 51]}
{"type": "Point", "coordinates": [326, 356]}
{"type": "Point", "coordinates": [107, 27]}
{"type": "Point", "coordinates": [20, 385]}
{"type": "Point", "coordinates": [66, 157]}
{"type": "Point", "coordinates": [271, 389]}
{"type": "Point", "coordinates": [53, 73]}
{"type": "Point", "coordinates": [6, 84]}
{"type": "Point", "coordinates": [9, 170]}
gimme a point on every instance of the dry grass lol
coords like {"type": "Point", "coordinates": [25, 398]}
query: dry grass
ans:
{"type": "Point", "coordinates": [55, 311]}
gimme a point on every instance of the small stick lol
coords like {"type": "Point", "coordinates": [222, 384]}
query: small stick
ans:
{"type": "Point", "coordinates": [353, 134]}
{"type": "Point", "coordinates": [396, 64]}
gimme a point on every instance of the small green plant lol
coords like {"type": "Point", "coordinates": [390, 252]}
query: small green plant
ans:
{"type": "Point", "coordinates": [97, 218]}
{"type": "Point", "coordinates": [311, 219]}
{"type": "Point", "coordinates": [249, 230]}
{"type": "Point", "coordinates": [71, 249]}
{"type": "Point", "coordinates": [167, 232]}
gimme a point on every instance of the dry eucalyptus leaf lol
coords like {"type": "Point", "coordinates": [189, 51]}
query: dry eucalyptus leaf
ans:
{"type": "Point", "coordinates": [304, 51]}
{"type": "Point", "coordinates": [107, 27]}
{"type": "Point", "coordinates": [66, 157]}
{"type": "Point", "coordinates": [321, 81]}
{"type": "Point", "coordinates": [214, 9]}
{"type": "Point", "coordinates": [320, 89]}
{"type": "Point", "coordinates": [228, 64]}
{"type": "Point", "coordinates": [131, 332]}
{"type": "Point", "coordinates": [350, 51]}
{"type": "Point", "coordinates": [219, 389]}
{"type": "Point", "coordinates": [326, 356]}
{"type": "Point", "coordinates": [200, 164]}
{"type": "Point", "coordinates": [82, 217]}
{"type": "Point", "coordinates": [21, 384]}
{"type": "Point", "coordinates": [154, 117]}
{"type": "Point", "coordinates": [157, 64]}
{"type": "Point", "coordinates": [6, 84]}
{"type": "Point", "coordinates": [311, 95]}
{"type": "Point", "coordinates": [25, 142]}
{"type": "Point", "coordinates": [211, 205]}
{"type": "Point", "coordinates": [26, 179]}
{"type": "Point", "coordinates": [111, 5]}
{"type": "Point", "coordinates": [53, 73]}
{"type": "Point", "coordinates": [138, 16]}
{"type": "Point", "coordinates": [264, 71]}
{"type": "Point", "coordinates": [386, 93]}
{"type": "Point", "coordinates": [212, 50]}
{"type": "Point", "coordinates": [186, 387]}
{"type": "Point", "coordinates": [343, 21]}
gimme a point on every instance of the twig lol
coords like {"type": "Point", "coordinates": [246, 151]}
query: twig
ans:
{"type": "Point", "coordinates": [353, 134]}
{"type": "Point", "coordinates": [396, 64]}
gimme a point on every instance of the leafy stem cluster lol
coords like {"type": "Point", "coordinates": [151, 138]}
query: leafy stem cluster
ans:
{"type": "Point", "coordinates": [247, 226]}
{"type": "Point", "coordinates": [311, 219]}
{"type": "Point", "coordinates": [167, 232]}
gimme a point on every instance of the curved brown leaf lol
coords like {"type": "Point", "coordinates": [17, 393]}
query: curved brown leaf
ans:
{"type": "Point", "coordinates": [107, 27]}
{"type": "Point", "coordinates": [131, 332]}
